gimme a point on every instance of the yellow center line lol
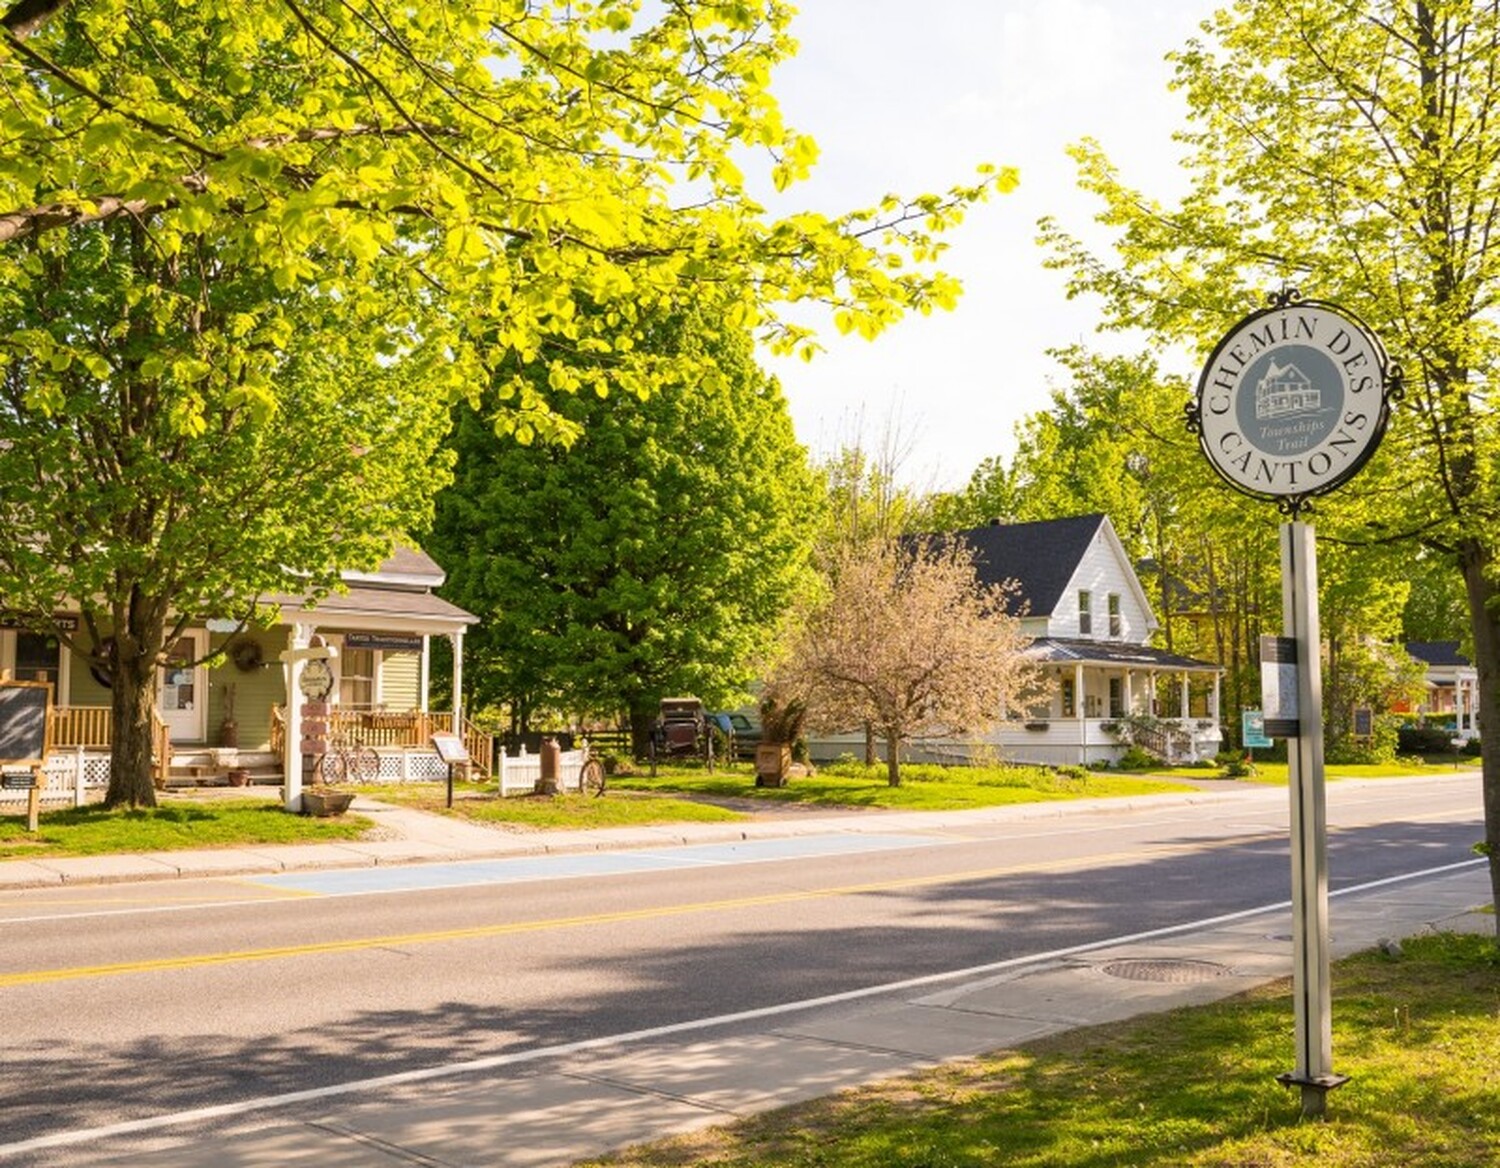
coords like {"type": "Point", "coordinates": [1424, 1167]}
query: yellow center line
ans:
{"type": "Point", "coordinates": [396, 940]}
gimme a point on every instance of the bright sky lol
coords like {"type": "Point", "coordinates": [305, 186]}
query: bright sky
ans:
{"type": "Point", "coordinates": [910, 100]}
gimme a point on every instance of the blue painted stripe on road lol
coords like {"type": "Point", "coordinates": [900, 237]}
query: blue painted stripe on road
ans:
{"type": "Point", "coordinates": [469, 873]}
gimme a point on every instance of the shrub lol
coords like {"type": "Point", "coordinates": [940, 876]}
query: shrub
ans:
{"type": "Point", "coordinates": [1238, 766]}
{"type": "Point", "coordinates": [1136, 759]}
{"type": "Point", "coordinates": [1423, 740]}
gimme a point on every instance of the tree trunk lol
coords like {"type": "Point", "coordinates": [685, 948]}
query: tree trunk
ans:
{"type": "Point", "coordinates": [132, 701]}
{"type": "Point", "coordinates": [1484, 618]}
{"type": "Point", "coordinates": [870, 756]}
{"type": "Point", "coordinates": [642, 722]}
{"type": "Point", "coordinates": [893, 758]}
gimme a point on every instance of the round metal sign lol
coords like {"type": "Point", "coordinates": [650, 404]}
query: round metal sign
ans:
{"type": "Point", "coordinates": [1293, 401]}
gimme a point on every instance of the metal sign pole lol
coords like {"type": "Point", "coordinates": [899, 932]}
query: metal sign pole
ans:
{"type": "Point", "coordinates": [1311, 992]}
{"type": "Point", "coordinates": [1292, 402]}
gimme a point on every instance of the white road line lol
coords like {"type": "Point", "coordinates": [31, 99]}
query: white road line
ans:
{"type": "Point", "coordinates": [519, 1058]}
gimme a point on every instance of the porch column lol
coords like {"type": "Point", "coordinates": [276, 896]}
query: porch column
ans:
{"type": "Point", "coordinates": [1129, 692]}
{"type": "Point", "coordinates": [291, 751]}
{"type": "Point", "coordinates": [1184, 698]}
{"type": "Point", "coordinates": [422, 677]}
{"type": "Point", "coordinates": [1078, 712]}
{"type": "Point", "coordinates": [1213, 705]}
{"type": "Point", "coordinates": [457, 640]}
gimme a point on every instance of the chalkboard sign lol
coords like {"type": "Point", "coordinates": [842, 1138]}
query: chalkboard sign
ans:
{"type": "Point", "coordinates": [1364, 723]}
{"type": "Point", "coordinates": [23, 720]}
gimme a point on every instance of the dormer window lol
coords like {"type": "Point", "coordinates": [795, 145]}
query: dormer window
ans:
{"type": "Point", "coordinates": [1085, 615]}
{"type": "Point", "coordinates": [1114, 614]}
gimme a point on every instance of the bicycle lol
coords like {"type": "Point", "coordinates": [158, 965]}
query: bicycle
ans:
{"type": "Point", "coordinates": [348, 761]}
{"type": "Point", "coordinates": [591, 777]}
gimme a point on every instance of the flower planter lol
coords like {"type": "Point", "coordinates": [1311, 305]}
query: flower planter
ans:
{"type": "Point", "coordinates": [324, 803]}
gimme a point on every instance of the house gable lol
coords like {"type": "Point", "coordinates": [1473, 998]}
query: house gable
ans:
{"type": "Point", "coordinates": [1052, 562]}
{"type": "Point", "coordinates": [1104, 572]}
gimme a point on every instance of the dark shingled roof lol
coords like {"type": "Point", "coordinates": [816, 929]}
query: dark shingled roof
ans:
{"type": "Point", "coordinates": [1041, 557]}
{"type": "Point", "coordinates": [1056, 650]}
{"type": "Point", "coordinates": [1437, 652]}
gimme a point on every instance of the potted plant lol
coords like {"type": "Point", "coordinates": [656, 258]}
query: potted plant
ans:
{"type": "Point", "coordinates": [321, 801]}
{"type": "Point", "coordinates": [781, 722]}
{"type": "Point", "coordinates": [320, 798]}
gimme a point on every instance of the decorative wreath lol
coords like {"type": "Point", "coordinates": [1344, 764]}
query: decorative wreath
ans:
{"type": "Point", "coordinates": [247, 655]}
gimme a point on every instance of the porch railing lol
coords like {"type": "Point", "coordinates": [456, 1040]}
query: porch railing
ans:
{"type": "Point", "coordinates": [91, 727]}
{"type": "Point", "coordinates": [410, 729]}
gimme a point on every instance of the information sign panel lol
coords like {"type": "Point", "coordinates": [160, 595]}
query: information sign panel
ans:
{"type": "Point", "coordinates": [1278, 687]}
{"type": "Point", "coordinates": [1253, 730]}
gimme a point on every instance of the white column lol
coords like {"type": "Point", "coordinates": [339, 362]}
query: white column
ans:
{"type": "Point", "coordinates": [457, 640]}
{"type": "Point", "coordinates": [1213, 704]}
{"type": "Point", "coordinates": [1078, 712]}
{"type": "Point", "coordinates": [291, 756]}
{"type": "Point", "coordinates": [1185, 705]}
{"type": "Point", "coordinates": [423, 676]}
{"type": "Point", "coordinates": [1129, 692]}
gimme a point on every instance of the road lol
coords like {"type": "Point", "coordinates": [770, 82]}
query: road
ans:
{"type": "Point", "coordinates": [125, 1002]}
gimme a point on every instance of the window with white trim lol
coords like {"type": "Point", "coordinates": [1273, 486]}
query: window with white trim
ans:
{"type": "Point", "coordinates": [1114, 614]}
{"type": "Point", "coordinates": [1085, 615]}
{"type": "Point", "coordinates": [357, 679]}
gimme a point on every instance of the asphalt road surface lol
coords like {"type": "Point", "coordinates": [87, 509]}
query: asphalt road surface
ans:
{"type": "Point", "coordinates": [129, 1001]}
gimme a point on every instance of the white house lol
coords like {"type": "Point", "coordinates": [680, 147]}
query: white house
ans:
{"type": "Point", "coordinates": [1079, 597]}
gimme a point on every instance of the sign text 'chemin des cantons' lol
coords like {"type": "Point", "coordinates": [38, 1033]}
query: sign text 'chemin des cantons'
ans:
{"type": "Point", "coordinates": [1293, 401]}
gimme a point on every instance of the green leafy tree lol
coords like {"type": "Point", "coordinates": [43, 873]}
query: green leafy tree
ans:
{"type": "Point", "coordinates": [210, 209]}
{"type": "Point", "coordinates": [1346, 149]}
{"type": "Point", "coordinates": [991, 493]}
{"type": "Point", "coordinates": [148, 497]}
{"type": "Point", "coordinates": [655, 556]}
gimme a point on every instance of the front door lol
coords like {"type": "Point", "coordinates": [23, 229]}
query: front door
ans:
{"type": "Point", "coordinates": [182, 695]}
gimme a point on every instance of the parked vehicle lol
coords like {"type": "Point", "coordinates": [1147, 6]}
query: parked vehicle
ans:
{"type": "Point", "coordinates": [679, 727]}
{"type": "Point", "coordinates": [742, 733]}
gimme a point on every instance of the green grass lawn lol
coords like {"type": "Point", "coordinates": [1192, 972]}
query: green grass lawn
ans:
{"type": "Point", "coordinates": [923, 787]}
{"type": "Point", "coordinates": [171, 826]}
{"type": "Point", "coordinates": [1194, 1088]}
{"type": "Point", "coordinates": [560, 812]}
{"type": "Point", "coordinates": [1276, 772]}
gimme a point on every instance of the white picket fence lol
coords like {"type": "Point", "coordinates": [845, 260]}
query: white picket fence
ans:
{"type": "Point", "coordinates": [520, 774]}
{"type": "Point", "coordinates": [69, 777]}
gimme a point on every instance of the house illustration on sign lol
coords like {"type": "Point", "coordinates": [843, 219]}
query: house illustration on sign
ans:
{"type": "Point", "coordinates": [1284, 390]}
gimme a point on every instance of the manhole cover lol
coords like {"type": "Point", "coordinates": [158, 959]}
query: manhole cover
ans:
{"type": "Point", "coordinates": [1170, 972]}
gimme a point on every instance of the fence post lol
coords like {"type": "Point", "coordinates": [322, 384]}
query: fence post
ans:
{"type": "Point", "coordinates": [80, 769]}
{"type": "Point", "coordinates": [501, 771]}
